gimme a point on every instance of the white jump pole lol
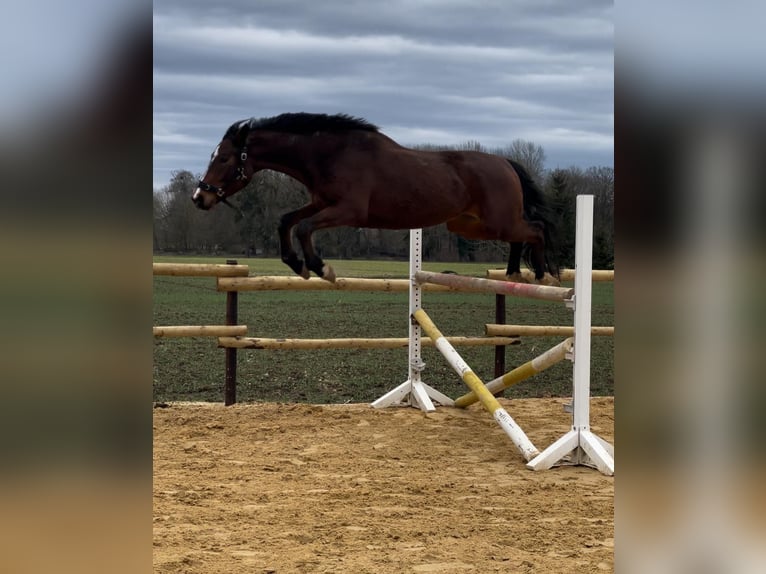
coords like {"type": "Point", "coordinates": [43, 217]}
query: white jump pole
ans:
{"type": "Point", "coordinates": [414, 392]}
{"type": "Point", "coordinates": [489, 402]}
{"type": "Point", "coordinates": [580, 445]}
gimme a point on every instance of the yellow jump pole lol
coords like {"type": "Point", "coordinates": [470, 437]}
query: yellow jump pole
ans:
{"type": "Point", "coordinates": [536, 365]}
{"type": "Point", "coordinates": [525, 446]}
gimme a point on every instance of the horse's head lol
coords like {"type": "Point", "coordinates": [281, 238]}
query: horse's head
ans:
{"type": "Point", "coordinates": [227, 173]}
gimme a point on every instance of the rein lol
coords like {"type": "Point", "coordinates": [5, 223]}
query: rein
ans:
{"type": "Point", "coordinates": [234, 207]}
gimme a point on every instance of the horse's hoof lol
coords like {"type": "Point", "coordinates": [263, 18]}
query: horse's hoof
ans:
{"type": "Point", "coordinates": [548, 279]}
{"type": "Point", "coordinates": [516, 278]}
{"type": "Point", "coordinates": [305, 273]}
{"type": "Point", "coordinates": [328, 273]}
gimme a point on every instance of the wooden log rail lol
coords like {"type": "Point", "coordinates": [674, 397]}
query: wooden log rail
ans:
{"type": "Point", "coordinates": [564, 274]}
{"type": "Point", "coordinates": [200, 270]}
{"type": "Point", "coordinates": [229, 269]}
{"type": "Point", "coordinates": [495, 330]}
{"type": "Point", "coordinates": [232, 278]}
{"type": "Point", "coordinates": [290, 283]}
{"type": "Point", "coordinates": [354, 343]}
{"type": "Point", "coordinates": [200, 331]}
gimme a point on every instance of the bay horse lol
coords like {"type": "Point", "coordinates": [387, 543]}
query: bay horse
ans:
{"type": "Point", "coordinates": [357, 176]}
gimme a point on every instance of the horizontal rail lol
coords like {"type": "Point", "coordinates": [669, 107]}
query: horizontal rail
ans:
{"type": "Point", "coordinates": [479, 285]}
{"type": "Point", "coordinates": [200, 331]}
{"type": "Point", "coordinates": [537, 365]}
{"type": "Point", "coordinates": [382, 343]}
{"type": "Point", "coordinates": [564, 274]}
{"type": "Point", "coordinates": [495, 330]}
{"type": "Point", "coordinates": [291, 283]}
{"type": "Point", "coordinates": [200, 270]}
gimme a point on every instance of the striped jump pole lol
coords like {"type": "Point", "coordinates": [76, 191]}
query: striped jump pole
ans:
{"type": "Point", "coordinates": [506, 422]}
{"type": "Point", "coordinates": [538, 364]}
{"type": "Point", "coordinates": [479, 285]}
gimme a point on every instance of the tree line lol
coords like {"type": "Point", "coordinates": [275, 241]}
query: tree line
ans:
{"type": "Point", "coordinates": [179, 227]}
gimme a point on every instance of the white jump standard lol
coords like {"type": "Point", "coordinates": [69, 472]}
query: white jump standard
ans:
{"type": "Point", "coordinates": [580, 445]}
{"type": "Point", "coordinates": [413, 391]}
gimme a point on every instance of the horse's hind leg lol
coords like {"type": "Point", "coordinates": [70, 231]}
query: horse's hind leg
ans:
{"type": "Point", "coordinates": [471, 227]}
{"type": "Point", "coordinates": [513, 272]}
{"type": "Point", "coordinates": [286, 224]}
{"type": "Point", "coordinates": [537, 242]}
{"type": "Point", "coordinates": [517, 234]}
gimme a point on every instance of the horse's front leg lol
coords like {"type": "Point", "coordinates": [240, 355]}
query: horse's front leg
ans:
{"type": "Point", "coordinates": [334, 216]}
{"type": "Point", "coordinates": [286, 224]}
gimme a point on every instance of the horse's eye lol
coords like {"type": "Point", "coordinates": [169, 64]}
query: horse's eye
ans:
{"type": "Point", "coordinates": [222, 160]}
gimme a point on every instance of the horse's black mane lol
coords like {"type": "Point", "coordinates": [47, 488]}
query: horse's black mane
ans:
{"type": "Point", "coordinates": [303, 123]}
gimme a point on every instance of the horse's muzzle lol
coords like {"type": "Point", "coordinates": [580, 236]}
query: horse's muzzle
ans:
{"type": "Point", "coordinates": [199, 200]}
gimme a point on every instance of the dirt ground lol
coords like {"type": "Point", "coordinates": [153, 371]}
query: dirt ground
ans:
{"type": "Point", "coordinates": [274, 488]}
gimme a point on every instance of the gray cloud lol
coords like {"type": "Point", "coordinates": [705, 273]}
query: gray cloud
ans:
{"type": "Point", "coordinates": [425, 71]}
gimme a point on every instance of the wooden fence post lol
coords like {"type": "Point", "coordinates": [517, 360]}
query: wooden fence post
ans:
{"type": "Point", "coordinates": [499, 350]}
{"type": "Point", "coordinates": [230, 385]}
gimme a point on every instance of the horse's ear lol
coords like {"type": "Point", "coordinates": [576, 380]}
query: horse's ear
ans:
{"type": "Point", "coordinates": [240, 132]}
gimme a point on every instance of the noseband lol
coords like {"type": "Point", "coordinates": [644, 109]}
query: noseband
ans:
{"type": "Point", "coordinates": [219, 191]}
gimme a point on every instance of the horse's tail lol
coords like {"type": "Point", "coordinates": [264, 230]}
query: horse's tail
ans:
{"type": "Point", "coordinates": [536, 208]}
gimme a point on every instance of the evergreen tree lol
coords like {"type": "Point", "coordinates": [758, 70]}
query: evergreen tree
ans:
{"type": "Point", "coordinates": [563, 209]}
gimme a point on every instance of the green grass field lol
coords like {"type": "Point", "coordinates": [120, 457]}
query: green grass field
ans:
{"type": "Point", "coordinates": [193, 369]}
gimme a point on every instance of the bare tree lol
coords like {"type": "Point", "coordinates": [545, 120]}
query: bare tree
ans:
{"type": "Point", "coordinates": [528, 154]}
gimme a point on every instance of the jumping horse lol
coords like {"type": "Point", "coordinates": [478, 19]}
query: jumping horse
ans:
{"type": "Point", "coordinates": [356, 176]}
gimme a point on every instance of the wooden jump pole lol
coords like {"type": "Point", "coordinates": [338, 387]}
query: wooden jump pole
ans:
{"type": "Point", "coordinates": [200, 331]}
{"type": "Point", "coordinates": [495, 330]}
{"type": "Point", "coordinates": [479, 285]}
{"type": "Point", "coordinates": [506, 422]}
{"type": "Point", "coordinates": [380, 343]}
{"type": "Point", "coordinates": [200, 269]}
{"type": "Point", "coordinates": [290, 283]}
{"type": "Point", "coordinates": [536, 365]}
{"type": "Point", "coordinates": [564, 274]}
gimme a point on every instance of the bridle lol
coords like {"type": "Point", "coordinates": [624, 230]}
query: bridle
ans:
{"type": "Point", "coordinates": [220, 192]}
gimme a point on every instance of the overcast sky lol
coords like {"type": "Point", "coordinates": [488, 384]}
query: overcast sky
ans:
{"type": "Point", "coordinates": [425, 71]}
